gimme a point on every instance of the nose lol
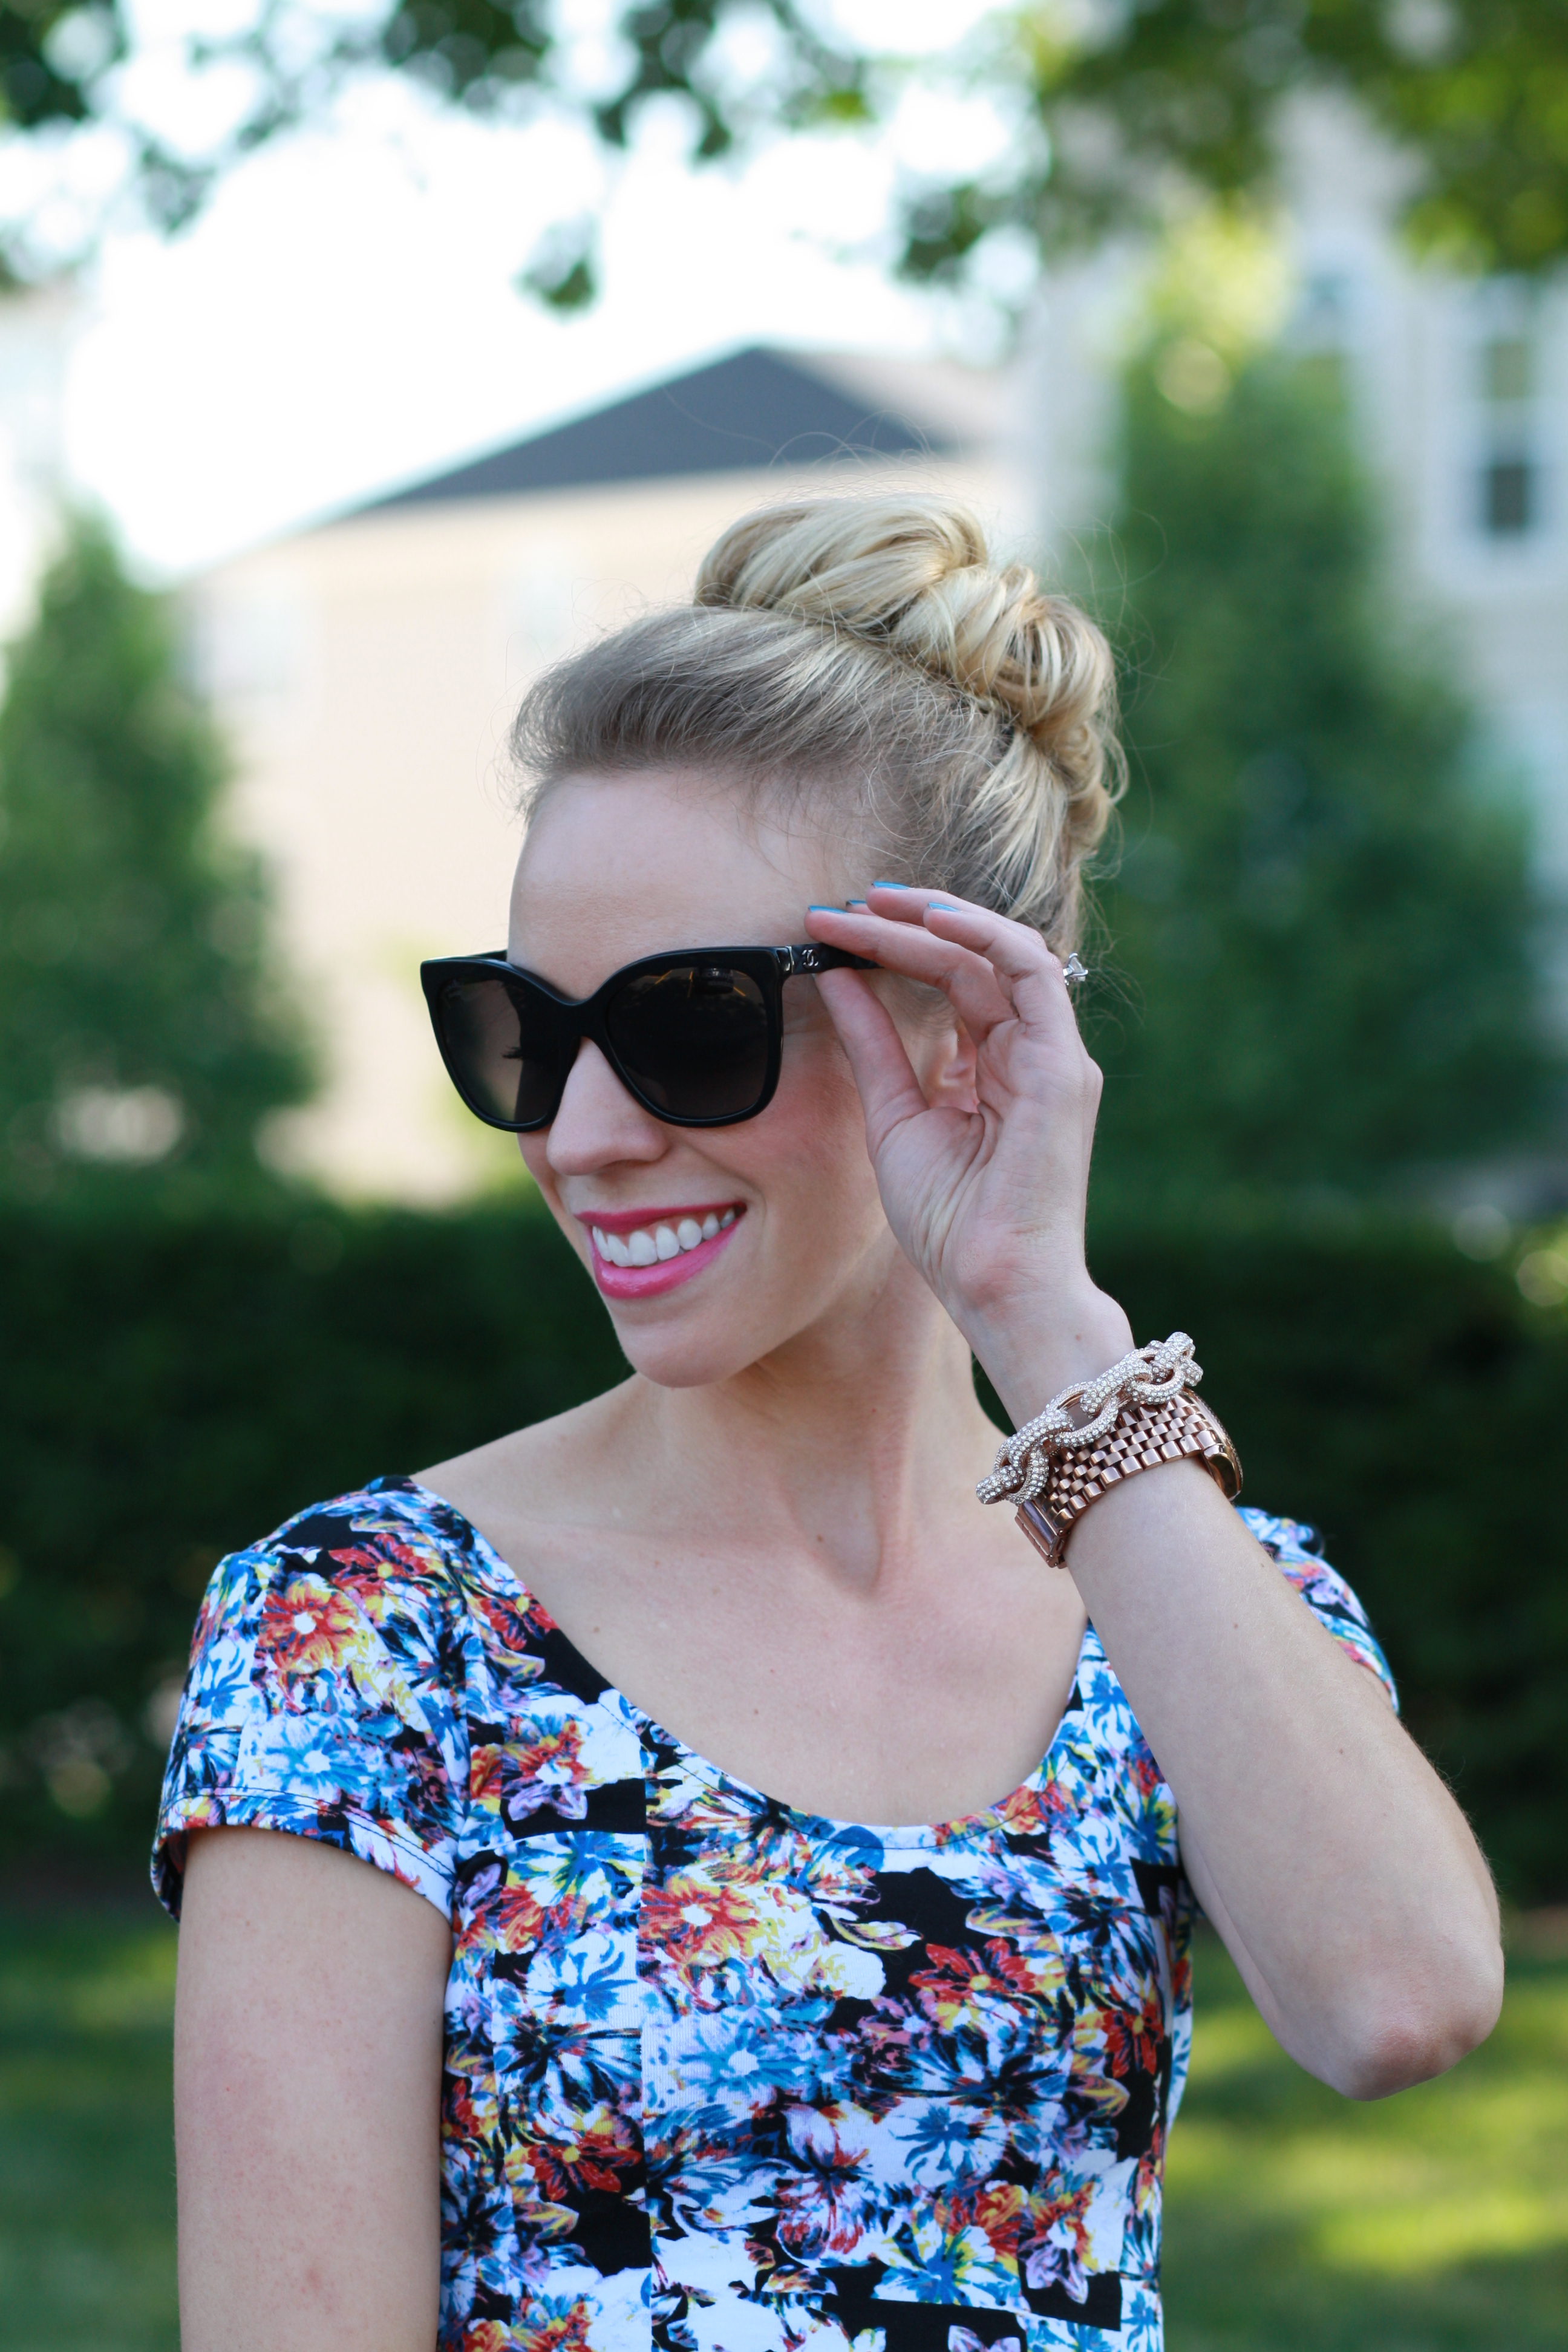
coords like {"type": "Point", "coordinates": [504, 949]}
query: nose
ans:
{"type": "Point", "coordinates": [598, 1122]}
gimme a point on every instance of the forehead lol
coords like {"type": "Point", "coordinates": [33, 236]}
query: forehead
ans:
{"type": "Point", "coordinates": [615, 867]}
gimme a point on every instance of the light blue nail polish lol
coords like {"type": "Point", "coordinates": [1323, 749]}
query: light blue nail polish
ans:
{"type": "Point", "coordinates": [940, 906]}
{"type": "Point", "coordinates": [854, 902]}
{"type": "Point", "coordinates": [889, 886]}
{"type": "Point", "coordinates": [825, 910]}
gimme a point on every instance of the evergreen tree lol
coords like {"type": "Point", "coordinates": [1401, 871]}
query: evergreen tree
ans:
{"type": "Point", "coordinates": [1322, 916]}
{"type": "Point", "coordinates": [141, 1033]}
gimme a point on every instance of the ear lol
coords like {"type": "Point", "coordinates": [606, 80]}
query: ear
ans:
{"type": "Point", "coordinates": [946, 1066]}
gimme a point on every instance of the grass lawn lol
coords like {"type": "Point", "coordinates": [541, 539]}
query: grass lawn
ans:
{"type": "Point", "coordinates": [1435, 2222]}
{"type": "Point", "coordinates": [86, 2158]}
{"type": "Point", "coordinates": [1438, 2221]}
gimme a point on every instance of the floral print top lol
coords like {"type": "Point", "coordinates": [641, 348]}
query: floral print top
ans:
{"type": "Point", "coordinates": [722, 2076]}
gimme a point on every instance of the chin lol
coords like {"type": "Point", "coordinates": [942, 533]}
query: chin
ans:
{"type": "Point", "coordinates": [681, 1368]}
{"type": "Point", "coordinates": [690, 1350]}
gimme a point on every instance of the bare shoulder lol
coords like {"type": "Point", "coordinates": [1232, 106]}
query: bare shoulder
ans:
{"type": "Point", "coordinates": [545, 1474]}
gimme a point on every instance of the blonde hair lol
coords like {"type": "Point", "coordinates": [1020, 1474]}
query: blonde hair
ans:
{"type": "Point", "coordinates": [870, 646]}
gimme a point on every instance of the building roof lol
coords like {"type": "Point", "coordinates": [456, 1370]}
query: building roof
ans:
{"type": "Point", "coordinates": [755, 409]}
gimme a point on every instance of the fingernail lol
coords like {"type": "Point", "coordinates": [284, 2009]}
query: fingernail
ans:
{"type": "Point", "coordinates": [825, 910]}
{"type": "Point", "coordinates": [940, 906]}
{"type": "Point", "coordinates": [854, 902]}
{"type": "Point", "coordinates": [889, 886]}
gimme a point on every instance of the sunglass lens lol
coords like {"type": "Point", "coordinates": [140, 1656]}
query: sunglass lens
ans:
{"type": "Point", "coordinates": [693, 1039]}
{"type": "Point", "coordinates": [504, 1049]}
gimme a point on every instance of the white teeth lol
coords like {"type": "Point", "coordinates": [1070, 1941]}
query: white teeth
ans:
{"type": "Point", "coordinates": [656, 1244]}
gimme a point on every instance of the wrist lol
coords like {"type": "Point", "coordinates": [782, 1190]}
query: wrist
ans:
{"type": "Point", "coordinates": [1040, 1343]}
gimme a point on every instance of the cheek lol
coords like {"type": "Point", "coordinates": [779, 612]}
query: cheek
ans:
{"type": "Point", "coordinates": [803, 1162]}
{"type": "Point", "coordinates": [532, 1150]}
{"type": "Point", "coordinates": [812, 1139]}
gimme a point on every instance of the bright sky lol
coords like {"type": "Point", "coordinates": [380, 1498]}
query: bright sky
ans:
{"type": "Point", "coordinates": [344, 316]}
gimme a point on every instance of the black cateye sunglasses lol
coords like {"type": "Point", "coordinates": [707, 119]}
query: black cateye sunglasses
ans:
{"type": "Point", "coordinates": [696, 1036]}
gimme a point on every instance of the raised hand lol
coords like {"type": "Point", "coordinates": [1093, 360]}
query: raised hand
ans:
{"type": "Point", "coordinates": [987, 1201]}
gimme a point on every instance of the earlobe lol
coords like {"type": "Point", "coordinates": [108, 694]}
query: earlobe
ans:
{"type": "Point", "coordinates": [951, 1078]}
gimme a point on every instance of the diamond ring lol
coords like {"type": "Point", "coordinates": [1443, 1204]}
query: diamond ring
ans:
{"type": "Point", "coordinates": [1073, 972]}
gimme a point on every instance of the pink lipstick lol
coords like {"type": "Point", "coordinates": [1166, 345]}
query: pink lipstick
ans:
{"type": "Point", "coordinates": [641, 1252]}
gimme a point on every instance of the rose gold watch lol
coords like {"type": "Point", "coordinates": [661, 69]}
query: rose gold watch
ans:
{"type": "Point", "coordinates": [1174, 1429]}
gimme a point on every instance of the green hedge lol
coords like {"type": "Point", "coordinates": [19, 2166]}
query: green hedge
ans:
{"type": "Point", "coordinates": [1410, 1406]}
{"type": "Point", "coordinates": [170, 1390]}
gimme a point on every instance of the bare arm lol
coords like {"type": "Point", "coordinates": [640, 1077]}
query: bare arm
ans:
{"type": "Point", "coordinates": [307, 2100]}
{"type": "Point", "coordinates": [1341, 1874]}
{"type": "Point", "coordinates": [1336, 1866]}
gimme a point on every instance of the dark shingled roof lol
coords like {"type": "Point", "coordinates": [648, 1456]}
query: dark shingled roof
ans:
{"type": "Point", "coordinates": [753, 410]}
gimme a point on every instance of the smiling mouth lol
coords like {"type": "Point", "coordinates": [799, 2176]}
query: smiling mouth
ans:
{"type": "Point", "coordinates": [661, 1240]}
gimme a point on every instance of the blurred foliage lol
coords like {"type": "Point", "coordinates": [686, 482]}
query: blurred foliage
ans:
{"type": "Point", "coordinates": [1402, 1401]}
{"type": "Point", "coordinates": [1319, 922]}
{"type": "Point", "coordinates": [1132, 102]}
{"type": "Point", "coordinates": [1113, 108]}
{"type": "Point", "coordinates": [141, 1039]}
{"type": "Point", "coordinates": [56, 69]}
{"type": "Point", "coordinates": [36, 85]}
{"type": "Point", "coordinates": [174, 1388]}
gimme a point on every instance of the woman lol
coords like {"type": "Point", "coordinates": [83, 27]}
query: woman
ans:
{"type": "Point", "coordinates": [612, 2046]}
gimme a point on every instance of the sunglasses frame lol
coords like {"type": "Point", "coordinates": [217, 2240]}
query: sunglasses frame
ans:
{"type": "Point", "coordinates": [768, 967]}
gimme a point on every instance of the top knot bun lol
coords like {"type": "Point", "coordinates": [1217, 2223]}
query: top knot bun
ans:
{"type": "Point", "coordinates": [915, 575]}
{"type": "Point", "coordinates": [866, 647]}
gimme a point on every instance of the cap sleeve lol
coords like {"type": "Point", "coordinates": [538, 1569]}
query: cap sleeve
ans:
{"type": "Point", "coordinates": [1324, 1590]}
{"type": "Point", "coordinates": [324, 1698]}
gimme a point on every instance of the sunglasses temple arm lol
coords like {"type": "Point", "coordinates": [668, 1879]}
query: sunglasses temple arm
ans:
{"type": "Point", "coordinates": [815, 957]}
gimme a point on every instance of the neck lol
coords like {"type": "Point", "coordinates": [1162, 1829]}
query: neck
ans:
{"type": "Point", "coordinates": [858, 1441]}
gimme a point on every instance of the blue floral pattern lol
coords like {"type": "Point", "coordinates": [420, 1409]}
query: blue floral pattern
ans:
{"type": "Point", "coordinates": [722, 2076]}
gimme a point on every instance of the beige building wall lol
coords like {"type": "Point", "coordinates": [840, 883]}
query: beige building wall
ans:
{"type": "Point", "coordinates": [366, 673]}
{"type": "Point", "coordinates": [37, 326]}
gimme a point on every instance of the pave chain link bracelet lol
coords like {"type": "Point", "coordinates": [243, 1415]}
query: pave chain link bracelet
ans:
{"type": "Point", "coordinates": [1093, 1434]}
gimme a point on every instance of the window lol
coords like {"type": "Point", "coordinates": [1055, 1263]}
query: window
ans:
{"type": "Point", "coordinates": [1321, 332]}
{"type": "Point", "coordinates": [1510, 482]}
{"type": "Point", "coordinates": [1509, 487]}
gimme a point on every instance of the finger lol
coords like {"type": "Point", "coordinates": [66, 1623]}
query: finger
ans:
{"type": "Point", "coordinates": [1015, 951]}
{"type": "Point", "coordinates": [1025, 974]}
{"type": "Point", "coordinates": [1026, 971]}
{"type": "Point", "coordinates": [881, 1069]}
{"type": "Point", "coordinates": [969, 981]}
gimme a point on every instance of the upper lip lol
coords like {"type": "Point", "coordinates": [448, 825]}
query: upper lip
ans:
{"type": "Point", "coordinates": [631, 1220]}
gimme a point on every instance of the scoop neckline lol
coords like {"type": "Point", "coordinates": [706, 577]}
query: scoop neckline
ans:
{"type": "Point", "coordinates": [987, 1819]}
